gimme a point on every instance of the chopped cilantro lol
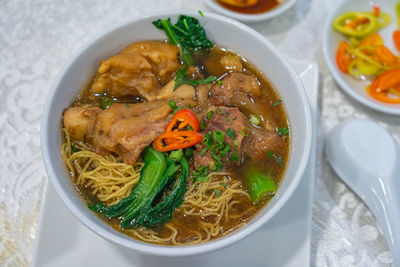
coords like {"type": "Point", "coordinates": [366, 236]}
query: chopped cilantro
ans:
{"type": "Point", "coordinates": [210, 114]}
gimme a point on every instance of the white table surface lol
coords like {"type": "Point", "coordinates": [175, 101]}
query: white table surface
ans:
{"type": "Point", "coordinates": [36, 39]}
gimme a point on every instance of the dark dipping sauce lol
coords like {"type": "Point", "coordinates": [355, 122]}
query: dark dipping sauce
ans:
{"type": "Point", "coordinates": [188, 225]}
{"type": "Point", "coordinates": [261, 7]}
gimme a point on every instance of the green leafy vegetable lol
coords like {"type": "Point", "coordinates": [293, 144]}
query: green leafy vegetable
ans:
{"type": "Point", "coordinates": [187, 34]}
{"type": "Point", "coordinates": [138, 208]}
{"type": "Point", "coordinates": [259, 185]}
{"type": "Point", "coordinates": [183, 78]}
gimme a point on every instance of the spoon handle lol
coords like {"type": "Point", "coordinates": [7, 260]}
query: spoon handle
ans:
{"type": "Point", "coordinates": [385, 205]}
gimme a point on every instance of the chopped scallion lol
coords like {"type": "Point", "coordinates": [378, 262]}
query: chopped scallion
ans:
{"type": "Point", "coordinates": [213, 167]}
{"type": "Point", "coordinates": [203, 151]}
{"type": "Point", "coordinates": [202, 125]}
{"type": "Point", "coordinates": [231, 133]}
{"type": "Point", "coordinates": [218, 137]}
{"type": "Point", "coordinates": [254, 119]}
{"type": "Point", "coordinates": [210, 114]}
{"type": "Point", "coordinates": [283, 131]}
{"type": "Point", "coordinates": [225, 150]}
{"type": "Point", "coordinates": [201, 179]}
{"type": "Point", "coordinates": [234, 156]}
{"type": "Point", "coordinates": [244, 131]}
{"type": "Point", "coordinates": [236, 143]}
{"type": "Point", "coordinates": [278, 159]}
{"type": "Point", "coordinates": [176, 155]}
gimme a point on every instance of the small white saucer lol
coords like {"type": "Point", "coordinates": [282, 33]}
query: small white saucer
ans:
{"type": "Point", "coordinates": [282, 7]}
{"type": "Point", "coordinates": [284, 241]}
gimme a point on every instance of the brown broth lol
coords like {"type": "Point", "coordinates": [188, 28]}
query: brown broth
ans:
{"type": "Point", "coordinates": [261, 7]}
{"type": "Point", "coordinates": [188, 224]}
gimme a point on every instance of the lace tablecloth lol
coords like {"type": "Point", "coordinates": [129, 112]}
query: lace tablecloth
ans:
{"type": "Point", "coordinates": [37, 38]}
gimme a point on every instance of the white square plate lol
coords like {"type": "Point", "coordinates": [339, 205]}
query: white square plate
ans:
{"type": "Point", "coordinates": [284, 241]}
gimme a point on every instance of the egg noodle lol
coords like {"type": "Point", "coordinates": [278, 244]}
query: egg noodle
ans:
{"type": "Point", "coordinates": [213, 203]}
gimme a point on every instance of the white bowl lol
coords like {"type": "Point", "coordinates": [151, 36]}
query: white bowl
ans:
{"type": "Point", "coordinates": [223, 31]}
{"type": "Point", "coordinates": [330, 42]}
{"type": "Point", "coordinates": [276, 11]}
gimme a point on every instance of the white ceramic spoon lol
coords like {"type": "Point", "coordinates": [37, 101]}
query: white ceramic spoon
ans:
{"type": "Point", "coordinates": [366, 157]}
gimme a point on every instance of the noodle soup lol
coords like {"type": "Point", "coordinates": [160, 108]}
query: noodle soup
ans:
{"type": "Point", "coordinates": [217, 125]}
